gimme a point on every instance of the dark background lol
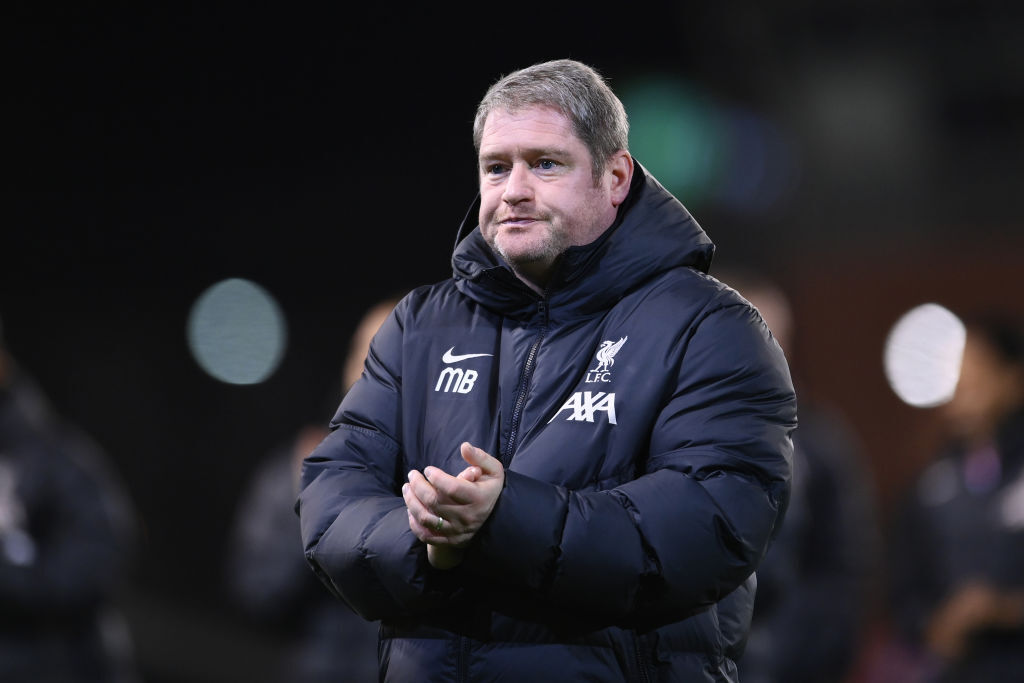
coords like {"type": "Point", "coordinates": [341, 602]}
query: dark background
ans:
{"type": "Point", "coordinates": [326, 155]}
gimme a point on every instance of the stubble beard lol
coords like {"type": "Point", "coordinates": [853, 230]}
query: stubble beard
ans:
{"type": "Point", "coordinates": [541, 255]}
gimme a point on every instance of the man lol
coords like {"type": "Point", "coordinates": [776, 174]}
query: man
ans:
{"type": "Point", "coordinates": [566, 461]}
{"type": "Point", "coordinates": [68, 537]}
{"type": "Point", "coordinates": [823, 566]}
{"type": "Point", "coordinates": [270, 582]}
{"type": "Point", "coordinates": [957, 543]}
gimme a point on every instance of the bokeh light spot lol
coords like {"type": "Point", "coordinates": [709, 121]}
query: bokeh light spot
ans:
{"type": "Point", "coordinates": [237, 332]}
{"type": "Point", "coordinates": [706, 152]}
{"type": "Point", "coordinates": [923, 352]}
{"type": "Point", "coordinates": [674, 133]}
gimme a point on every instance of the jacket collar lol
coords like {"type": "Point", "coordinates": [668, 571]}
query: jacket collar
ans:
{"type": "Point", "coordinates": [653, 233]}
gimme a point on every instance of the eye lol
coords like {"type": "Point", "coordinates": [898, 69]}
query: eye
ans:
{"type": "Point", "coordinates": [494, 169]}
{"type": "Point", "coordinates": [546, 164]}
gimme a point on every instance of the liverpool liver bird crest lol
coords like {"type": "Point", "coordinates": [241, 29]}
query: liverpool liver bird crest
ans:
{"type": "Point", "coordinates": [606, 354]}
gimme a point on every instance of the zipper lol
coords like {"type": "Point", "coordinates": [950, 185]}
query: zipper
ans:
{"type": "Point", "coordinates": [524, 384]}
{"type": "Point", "coordinates": [463, 660]}
{"type": "Point", "coordinates": [641, 657]}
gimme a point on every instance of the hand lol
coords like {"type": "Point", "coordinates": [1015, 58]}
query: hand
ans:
{"type": "Point", "coordinates": [446, 512]}
{"type": "Point", "coordinates": [972, 607]}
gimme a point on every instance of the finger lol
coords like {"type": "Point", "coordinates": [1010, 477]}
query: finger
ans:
{"type": "Point", "coordinates": [435, 475]}
{"type": "Point", "coordinates": [471, 473]}
{"type": "Point", "coordinates": [423, 489]}
{"type": "Point", "coordinates": [415, 506]}
{"type": "Point", "coordinates": [449, 490]}
{"type": "Point", "coordinates": [430, 518]}
{"type": "Point", "coordinates": [425, 534]}
{"type": "Point", "coordinates": [480, 458]}
{"type": "Point", "coordinates": [423, 520]}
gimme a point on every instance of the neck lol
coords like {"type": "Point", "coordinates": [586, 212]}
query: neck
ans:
{"type": "Point", "coordinates": [535, 274]}
{"type": "Point", "coordinates": [532, 281]}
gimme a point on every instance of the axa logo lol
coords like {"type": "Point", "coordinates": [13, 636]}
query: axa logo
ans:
{"type": "Point", "coordinates": [605, 357]}
{"type": "Point", "coordinates": [582, 406]}
{"type": "Point", "coordinates": [457, 380]}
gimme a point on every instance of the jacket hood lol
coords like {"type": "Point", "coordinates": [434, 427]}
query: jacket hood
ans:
{"type": "Point", "coordinates": [653, 233]}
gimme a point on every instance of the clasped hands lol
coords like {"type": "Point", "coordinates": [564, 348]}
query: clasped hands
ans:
{"type": "Point", "coordinates": [446, 511]}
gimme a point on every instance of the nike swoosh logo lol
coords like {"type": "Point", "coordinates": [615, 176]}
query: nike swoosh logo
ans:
{"type": "Point", "coordinates": [448, 357]}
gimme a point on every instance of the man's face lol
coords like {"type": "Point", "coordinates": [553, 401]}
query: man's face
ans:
{"type": "Point", "coordinates": [537, 190]}
{"type": "Point", "coordinates": [987, 389]}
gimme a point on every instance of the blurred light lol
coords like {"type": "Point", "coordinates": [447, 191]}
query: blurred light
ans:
{"type": "Point", "coordinates": [236, 332]}
{"type": "Point", "coordinates": [923, 352]}
{"type": "Point", "coordinates": [674, 134]}
{"type": "Point", "coordinates": [705, 152]}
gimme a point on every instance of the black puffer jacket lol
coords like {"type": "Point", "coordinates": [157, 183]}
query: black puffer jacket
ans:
{"type": "Point", "coordinates": [641, 488]}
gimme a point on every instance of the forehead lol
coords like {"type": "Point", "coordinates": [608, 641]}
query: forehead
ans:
{"type": "Point", "coordinates": [531, 126]}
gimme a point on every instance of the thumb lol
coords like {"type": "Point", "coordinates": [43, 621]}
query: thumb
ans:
{"type": "Point", "coordinates": [478, 457]}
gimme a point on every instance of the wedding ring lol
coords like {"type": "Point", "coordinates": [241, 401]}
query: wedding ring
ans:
{"type": "Point", "coordinates": [440, 523]}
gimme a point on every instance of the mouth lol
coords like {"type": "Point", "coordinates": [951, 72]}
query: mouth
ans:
{"type": "Point", "coordinates": [517, 221]}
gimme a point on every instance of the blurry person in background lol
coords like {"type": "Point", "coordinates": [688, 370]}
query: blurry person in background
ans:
{"type": "Point", "coordinates": [67, 541]}
{"type": "Point", "coordinates": [817, 582]}
{"type": "Point", "coordinates": [957, 552]}
{"type": "Point", "coordinates": [268, 578]}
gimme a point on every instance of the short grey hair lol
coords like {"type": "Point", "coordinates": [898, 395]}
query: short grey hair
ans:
{"type": "Point", "coordinates": [576, 90]}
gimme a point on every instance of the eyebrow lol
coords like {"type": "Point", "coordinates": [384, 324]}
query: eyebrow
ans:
{"type": "Point", "coordinates": [530, 152]}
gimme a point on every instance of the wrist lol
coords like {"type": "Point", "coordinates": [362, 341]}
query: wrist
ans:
{"type": "Point", "coordinates": [444, 556]}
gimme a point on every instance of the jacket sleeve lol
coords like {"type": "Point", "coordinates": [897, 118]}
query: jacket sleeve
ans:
{"type": "Point", "coordinates": [354, 524]}
{"type": "Point", "coordinates": [695, 523]}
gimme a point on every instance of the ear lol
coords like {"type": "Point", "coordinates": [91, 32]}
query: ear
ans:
{"type": "Point", "coordinates": [620, 169]}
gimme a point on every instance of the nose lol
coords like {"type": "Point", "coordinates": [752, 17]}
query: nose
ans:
{"type": "Point", "coordinates": [518, 187]}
